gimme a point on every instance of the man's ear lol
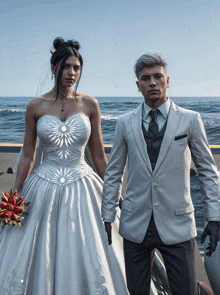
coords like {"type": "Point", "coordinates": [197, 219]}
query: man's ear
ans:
{"type": "Point", "coordinates": [168, 81]}
{"type": "Point", "coordinates": [137, 83]}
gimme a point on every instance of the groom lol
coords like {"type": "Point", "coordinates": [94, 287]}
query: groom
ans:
{"type": "Point", "coordinates": [158, 139]}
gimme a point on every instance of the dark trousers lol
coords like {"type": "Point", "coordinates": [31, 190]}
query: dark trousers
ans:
{"type": "Point", "coordinates": [179, 261]}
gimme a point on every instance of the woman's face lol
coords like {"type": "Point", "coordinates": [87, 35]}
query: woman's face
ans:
{"type": "Point", "coordinates": [71, 72]}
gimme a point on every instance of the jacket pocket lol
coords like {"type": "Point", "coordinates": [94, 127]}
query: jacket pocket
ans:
{"type": "Point", "coordinates": [185, 210]}
{"type": "Point", "coordinates": [180, 136]}
{"type": "Point", "coordinates": [126, 206]}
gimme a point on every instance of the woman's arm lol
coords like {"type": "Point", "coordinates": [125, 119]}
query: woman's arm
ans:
{"type": "Point", "coordinates": [96, 140]}
{"type": "Point", "coordinates": [29, 147]}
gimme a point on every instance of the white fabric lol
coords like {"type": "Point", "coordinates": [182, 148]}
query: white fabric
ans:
{"type": "Point", "coordinates": [62, 247]}
{"type": "Point", "coordinates": [166, 190]}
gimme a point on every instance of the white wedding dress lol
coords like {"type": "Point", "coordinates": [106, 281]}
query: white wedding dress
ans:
{"type": "Point", "coordinates": [62, 247]}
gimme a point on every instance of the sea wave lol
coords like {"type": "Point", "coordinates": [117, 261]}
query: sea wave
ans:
{"type": "Point", "coordinates": [12, 110]}
{"type": "Point", "coordinates": [109, 117]}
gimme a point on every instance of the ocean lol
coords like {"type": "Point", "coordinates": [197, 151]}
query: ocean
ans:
{"type": "Point", "coordinates": [12, 127]}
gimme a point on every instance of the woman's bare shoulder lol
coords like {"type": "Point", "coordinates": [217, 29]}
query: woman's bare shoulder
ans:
{"type": "Point", "coordinates": [36, 103]}
{"type": "Point", "coordinates": [89, 100]}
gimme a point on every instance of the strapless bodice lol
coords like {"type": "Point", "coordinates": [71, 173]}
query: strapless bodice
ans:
{"type": "Point", "coordinates": [64, 146]}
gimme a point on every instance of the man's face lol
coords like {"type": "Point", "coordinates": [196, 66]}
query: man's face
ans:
{"type": "Point", "coordinates": [153, 83]}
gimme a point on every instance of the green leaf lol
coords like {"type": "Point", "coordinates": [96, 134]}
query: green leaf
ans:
{"type": "Point", "coordinates": [11, 192]}
{"type": "Point", "coordinates": [20, 224]}
{"type": "Point", "coordinates": [3, 226]}
{"type": "Point", "coordinates": [25, 213]}
{"type": "Point", "coordinates": [2, 210]}
{"type": "Point", "coordinates": [6, 199]}
{"type": "Point", "coordinates": [28, 203]}
{"type": "Point", "coordinates": [15, 190]}
{"type": "Point", "coordinates": [18, 202]}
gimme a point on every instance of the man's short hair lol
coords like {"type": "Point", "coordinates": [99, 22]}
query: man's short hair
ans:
{"type": "Point", "coordinates": [149, 60]}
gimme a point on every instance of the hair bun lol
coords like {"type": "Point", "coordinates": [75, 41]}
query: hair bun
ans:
{"type": "Point", "coordinates": [74, 44]}
{"type": "Point", "coordinates": [57, 42]}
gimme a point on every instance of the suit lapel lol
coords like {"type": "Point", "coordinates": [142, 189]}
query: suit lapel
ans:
{"type": "Point", "coordinates": [136, 125]}
{"type": "Point", "coordinates": [172, 125]}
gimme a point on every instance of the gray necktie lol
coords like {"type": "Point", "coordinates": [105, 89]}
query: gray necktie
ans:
{"type": "Point", "coordinates": [153, 129]}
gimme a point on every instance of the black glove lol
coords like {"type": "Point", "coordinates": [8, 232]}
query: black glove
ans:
{"type": "Point", "coordinates": [211, 229]}
{"type": "Point", "coordinates": [108, 228]}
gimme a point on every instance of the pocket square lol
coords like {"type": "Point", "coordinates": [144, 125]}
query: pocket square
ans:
{"type": "Point", "coordinates": [180, 137]}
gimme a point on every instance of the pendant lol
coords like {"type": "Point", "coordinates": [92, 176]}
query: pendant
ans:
{"type": "Point", "coordinates": [63, 103]}
{"type": "Point", "coordinates": [62, 96]}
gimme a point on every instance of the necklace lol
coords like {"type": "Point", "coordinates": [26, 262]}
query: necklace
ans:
{"type": "Point", "coordinates": [62, 96]}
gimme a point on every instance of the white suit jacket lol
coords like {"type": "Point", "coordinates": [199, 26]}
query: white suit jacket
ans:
{"type": "Point", "coordinates": [166, 190]}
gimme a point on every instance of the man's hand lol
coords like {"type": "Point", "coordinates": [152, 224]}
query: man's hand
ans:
{"type": "Point", "coordinates": [108, 229]}
{"type": "Point", "coordinates": [211, 230]}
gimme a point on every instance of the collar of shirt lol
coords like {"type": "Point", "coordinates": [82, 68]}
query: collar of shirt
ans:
{"type": "Point", "coordinates": [164, 110]}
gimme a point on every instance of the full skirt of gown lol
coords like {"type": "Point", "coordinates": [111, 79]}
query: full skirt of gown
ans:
{"type": "Point", "coordinates": [62, 246]}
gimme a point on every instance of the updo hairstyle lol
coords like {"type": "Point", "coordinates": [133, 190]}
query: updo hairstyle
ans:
{"type": "Point", "coordinates": [63, 50]}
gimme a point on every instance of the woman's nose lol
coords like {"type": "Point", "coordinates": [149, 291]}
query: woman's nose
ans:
{"type": "Point", "coordinates": [71, 71]}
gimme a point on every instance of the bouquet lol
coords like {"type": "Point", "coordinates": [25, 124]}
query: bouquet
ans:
{"type": "Point", "coordinates": [12, 208]}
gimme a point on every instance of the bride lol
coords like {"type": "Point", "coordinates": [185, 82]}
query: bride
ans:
{"type": "Point", "coordinates": [62, 247]}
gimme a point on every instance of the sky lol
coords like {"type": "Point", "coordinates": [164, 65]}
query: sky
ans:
{"type": "Point", "coordinates": [113, 34]}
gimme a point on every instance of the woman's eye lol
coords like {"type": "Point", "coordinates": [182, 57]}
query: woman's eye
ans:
{"type": "Point", "coordinates": [76, 68]}
{"type": "Point", "coordinates": [65, 66]}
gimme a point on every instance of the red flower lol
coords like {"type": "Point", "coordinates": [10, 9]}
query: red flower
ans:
{"type": "Point", "coordinates": [15, 195]}
{"type": "Point", "coordinates": [8, 214]}
{"type": "Point", "coordinates": [20, 199]}
{"type": "Point", "coordinates": [3, 205]}
{"type": "Point", "coordinates": [14, 216]}
{"type": "Point", "coordinates": [2, 214]}
{"type": "Point", "coordinates": [5, 221]}
{"type": "Point", "coordinates": [12, 200]}
{"type": "Point", "coordinates": [24, 203]}
{"type": "Point", "coordinates": [17, 210]}
{"type": "Point", "coordinates": [13, 223]}
{"type": "Point", "coordinates": [9, 207]}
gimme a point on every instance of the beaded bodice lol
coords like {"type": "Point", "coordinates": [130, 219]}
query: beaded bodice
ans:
{"type": "Point", "coordinates": [64, 146]}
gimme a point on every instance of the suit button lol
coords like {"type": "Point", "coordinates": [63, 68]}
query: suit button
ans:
{"type": "Point", "coordinates": [156, 206]}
